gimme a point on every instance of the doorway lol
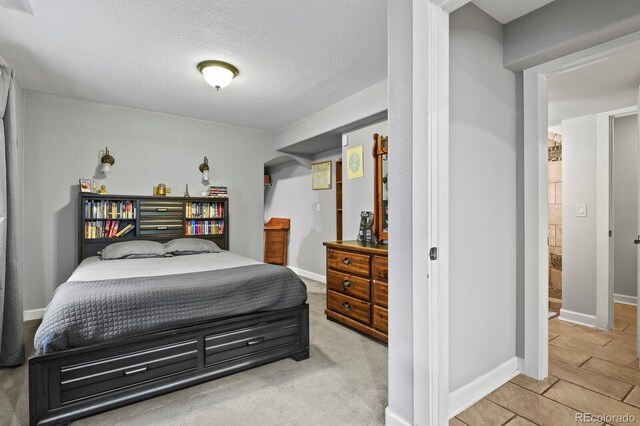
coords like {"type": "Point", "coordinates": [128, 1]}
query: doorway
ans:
{"type": "Point", "coordinates": [536, 82]}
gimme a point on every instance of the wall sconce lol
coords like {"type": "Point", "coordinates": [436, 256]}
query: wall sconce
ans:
{"type": "Point", "coordinates": [204, 169]}
{"type": "Point", "coordinates": [107, 161]}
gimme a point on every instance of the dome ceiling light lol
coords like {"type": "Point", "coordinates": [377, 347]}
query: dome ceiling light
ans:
{"type": "Point", "coordinates": [217, 73]}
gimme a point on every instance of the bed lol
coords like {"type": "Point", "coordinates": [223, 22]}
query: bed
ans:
{"type": "Point", "coordinates": [121, 331]}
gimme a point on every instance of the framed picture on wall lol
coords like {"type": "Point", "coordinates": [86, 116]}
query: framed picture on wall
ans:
{"type": "Point", "coordinates": [321, 175]}
{"type": "Point", "coordinates": [355, 167]}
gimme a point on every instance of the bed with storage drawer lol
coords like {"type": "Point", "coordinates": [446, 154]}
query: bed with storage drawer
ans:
{"type": "Point", "coordinates": [133, 327]}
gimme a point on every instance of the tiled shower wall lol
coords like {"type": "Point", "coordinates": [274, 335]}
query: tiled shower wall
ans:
{"type": "Point", "coordinates": [555, 221]}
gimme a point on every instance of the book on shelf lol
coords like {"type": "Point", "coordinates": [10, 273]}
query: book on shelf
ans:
{"type": "Point", "coordinates": [204, 210]}
{"type": "Point", "coordinates": [204, 227]}
{"type": "Point", "coordinates": [106, 229]}
{"type": "Point", "coordinates": [109, 209]}
{"type": "Point", "coordinates": [218, 191]}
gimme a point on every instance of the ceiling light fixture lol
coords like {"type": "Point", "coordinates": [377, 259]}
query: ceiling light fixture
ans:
{"type": "Point", "coordinates": [217, 73]}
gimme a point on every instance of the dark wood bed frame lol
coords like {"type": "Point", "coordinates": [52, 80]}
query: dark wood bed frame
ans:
{"type": "Point", "coordinates": [75, 383]}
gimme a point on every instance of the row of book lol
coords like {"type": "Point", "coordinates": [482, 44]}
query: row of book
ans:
{"type": "Point", "coordinates": [204, 227]}
{"type": "Point", "coordinates": [109, 209]}
{"type": "Point", "coordinates": [106, 229]}
{"type": "Point", "coordinates": [204, 210]}
{"type": "Point", "coordinates": [218, 192]}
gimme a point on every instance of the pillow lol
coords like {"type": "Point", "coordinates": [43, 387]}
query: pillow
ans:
{"type": "Point", "coordinates": [182, 246]}
{"type": "Point", "coordinates": [132, 250]}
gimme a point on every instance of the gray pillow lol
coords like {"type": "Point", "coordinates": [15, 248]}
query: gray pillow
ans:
{"type": "Point", "coordinates": [132, 250]}
{"type": "Point", "coordinates": [182, 246]}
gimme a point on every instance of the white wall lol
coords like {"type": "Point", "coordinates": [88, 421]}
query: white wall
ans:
{"type": "Point", "coordinates": [579, 233]}
{"type": "Point", "coordinates": [291, 196]}
{"type": "Point", "coordinates": [357, 194]}
{"type": "Point", "coordinates": [62, 140]}
{"type": "Point", "coordinates": [483, 260]}
{"type": "Point", "coordinates": [625, 204]}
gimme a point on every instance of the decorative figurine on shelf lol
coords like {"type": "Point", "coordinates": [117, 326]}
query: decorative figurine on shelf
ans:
{"type": "Point", "coordinates": [103, 190]}
{"type": "Point", "coordinates": [161, 190]}
{"type": "Point", "coordinates": [94, 187]}
{"type": "Point", "coordinates": [186, 191]}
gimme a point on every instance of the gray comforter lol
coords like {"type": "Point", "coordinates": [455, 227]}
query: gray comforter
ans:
{"type": "Point", "coordinates": [81, 313]}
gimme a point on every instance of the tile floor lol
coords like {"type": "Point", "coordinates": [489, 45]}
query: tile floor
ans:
{"type": "Point", "coordinates": [590, 371]}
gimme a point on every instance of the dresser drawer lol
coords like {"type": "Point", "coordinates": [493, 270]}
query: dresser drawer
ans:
{"type": "Point", "coordinates": [348, 284]}
{"type": "Point", "coordinates": [380, 268]}
{"type": "Point", "coordinates": [380, 293]}
{"type": "Point", "coordinates": [348, 262]}
{"type": "Point", "coordinates": [263, 336]}
{"type": "Point", "coordinates": [114, 373]}
{"type": "Point", "coordinates": [161, 225]}
{"type": "Point", "coordinates": [380, 319]}
{"type": "Point", "coordinates": [161, 207]}
{"type": "Point", "coordinates": [349, 307]}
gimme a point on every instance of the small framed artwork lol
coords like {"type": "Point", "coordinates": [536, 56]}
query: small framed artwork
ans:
{"type": "Point", "coordinates": [321, 175]}
{"type": "Point", "coordinates": [355, 168]}
{"type": "Point", "coordinates": [85, 185]}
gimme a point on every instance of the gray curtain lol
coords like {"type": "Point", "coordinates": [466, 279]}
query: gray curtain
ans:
{"type": "Point", "coordinates": [11, 333]}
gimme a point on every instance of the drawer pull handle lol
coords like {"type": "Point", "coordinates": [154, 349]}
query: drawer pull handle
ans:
{"type": "Point", "coordinates": [255, 341]}
{"type": "Point", "coordinates": [162, 228]}
{"type": "Point", "coordinates": [162, 209]}
{"type": "Point", "coordinates": [136, 370]}
{"type": "Point", "coordinates": [346, 261]}
{"type": "Point", "coordinates": [346, 284]}
{"type": "Point", "coordinates": [347, 306]}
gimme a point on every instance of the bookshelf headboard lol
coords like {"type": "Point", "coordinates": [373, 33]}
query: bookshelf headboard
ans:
{"type": "Point", "coordinates": [107, 219]}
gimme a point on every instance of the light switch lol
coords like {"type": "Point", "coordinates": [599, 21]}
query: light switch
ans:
{"type": "Point", "coordinates": [318, 207]}
{"type": "Point", "coordinates": [581, 210]}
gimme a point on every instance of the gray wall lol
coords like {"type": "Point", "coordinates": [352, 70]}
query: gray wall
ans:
{"type": "Point", "coordinates": [579, 233]}
{"type": "Point", "coordinates": [625, 204]}
{"type": "Point", "coordinates": [357, 194]}
{"type": "Point", "coordinates": [62, 140]}
{"type": "Point", "coordinates": [482, 198]}
{"type": "Point", "coordinates": [400, 169]}
{"type": "Point", "coordinates": [566, 26]}
{"type": "Point", "coordinates": [291, 196]}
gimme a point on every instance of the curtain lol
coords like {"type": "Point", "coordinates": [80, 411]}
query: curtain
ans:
{"type": "Point", "coordinates": [11, 330]}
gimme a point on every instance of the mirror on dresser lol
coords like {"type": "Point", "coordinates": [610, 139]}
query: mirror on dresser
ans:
{"type": "Point", "coordinates": [380, 190]}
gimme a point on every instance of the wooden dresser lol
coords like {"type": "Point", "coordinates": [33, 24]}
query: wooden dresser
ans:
{"type": "Point", "coordinates": [357, 286]}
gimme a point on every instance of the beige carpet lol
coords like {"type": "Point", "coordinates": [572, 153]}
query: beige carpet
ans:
{"type": "Point", "coordinates": [344, 382]}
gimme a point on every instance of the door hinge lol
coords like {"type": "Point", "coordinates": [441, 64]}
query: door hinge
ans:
{"type": "Point", "coordinates": [611, 233]}
{"type": "Point", "coordinates": [433, 253]}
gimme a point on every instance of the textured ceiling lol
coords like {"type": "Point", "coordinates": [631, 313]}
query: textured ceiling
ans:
{"type": "Point", "coordinates": [507, 10]}
{"type": "Point", "coordinates": [607, 84]}
{"type": "Point", "coordinates": [295, 56]}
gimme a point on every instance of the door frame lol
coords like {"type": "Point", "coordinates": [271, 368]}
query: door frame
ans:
{"type": "Point", "coordinates": [536, 362]}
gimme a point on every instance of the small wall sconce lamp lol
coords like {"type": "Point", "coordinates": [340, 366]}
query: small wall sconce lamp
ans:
{"type": "Point", "coordinates": [107, 161]}
{"type": "Point", "coordinates": [204, 169]}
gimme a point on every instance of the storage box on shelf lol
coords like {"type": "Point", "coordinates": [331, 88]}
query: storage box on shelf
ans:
{"type": "Point", "coordinates": [111, 218]}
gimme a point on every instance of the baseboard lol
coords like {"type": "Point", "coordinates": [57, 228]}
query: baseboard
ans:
{"type": "Point", "coordinates": [577, 318]}
{"type": "Point", "coordinates": [309, 274]}
{"type": "Point", "coordinates": [394, 419]}
{"type": "Point", "coordinates": [625, 300]}
{"type": "Point", "coordinates": [469, 394]}
{"type": "Point", "coordinates": [32, 314]}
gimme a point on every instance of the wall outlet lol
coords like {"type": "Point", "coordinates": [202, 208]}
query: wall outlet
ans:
{"type": "Point", "coordinates": [581, 210]}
